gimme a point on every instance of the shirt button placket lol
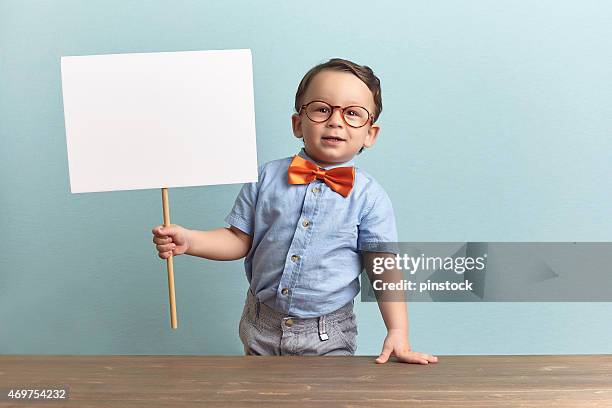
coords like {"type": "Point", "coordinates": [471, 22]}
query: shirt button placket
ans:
{"type": "Point", "coordinates": [300, 239]}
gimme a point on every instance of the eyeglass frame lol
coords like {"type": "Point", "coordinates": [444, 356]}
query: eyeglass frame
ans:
{"type": "Point", "coordinates": [370, 116]}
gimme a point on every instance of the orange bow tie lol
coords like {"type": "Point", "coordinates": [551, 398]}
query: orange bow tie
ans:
{"type": "Point", "coordinates": [340, 179]}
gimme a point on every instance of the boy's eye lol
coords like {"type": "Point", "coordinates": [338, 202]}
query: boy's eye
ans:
{"type": "Point", "coordinates": [356, 113]}
{"type": "Point", "coordinates": [323, 109]}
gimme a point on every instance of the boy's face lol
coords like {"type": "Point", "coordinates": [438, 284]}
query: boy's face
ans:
{"type": "Point", "coordinates": [337, 89]}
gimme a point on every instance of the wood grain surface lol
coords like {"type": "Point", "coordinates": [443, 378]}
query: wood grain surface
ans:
{"type": "Point", "coordinates": [254, 381]}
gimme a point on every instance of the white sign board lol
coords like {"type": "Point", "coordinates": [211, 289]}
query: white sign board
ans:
{"type": "Point", "coordinates": [154, 120]}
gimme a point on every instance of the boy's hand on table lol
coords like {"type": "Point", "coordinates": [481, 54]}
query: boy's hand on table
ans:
{"type": "Point", "coordinates": [396, 344]}
{"type": "Point", "coordinates": [171, 240]}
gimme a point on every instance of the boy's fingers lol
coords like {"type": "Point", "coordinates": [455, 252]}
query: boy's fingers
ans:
{"type": "Point", "coordinates": [420, 358]}
{"type": "Point", "coordinates": [163, 229]}
{"type": "Point", "coordinates": [413, 359]}
{"type": "Point", "coordinates": [384, 355]}
{"type": "Point", "coordinates": [428, 357]}
{"type": "Point", "coordinates": [164, 255]}
{"type": "Point", "coordinates": [164, 232]}
{"type": "Point", "coordinates": [166, 248]}
{"type": "Point", "coordinates": [382, 359]}
{"type": "Point", "coordinates": [161, 241]}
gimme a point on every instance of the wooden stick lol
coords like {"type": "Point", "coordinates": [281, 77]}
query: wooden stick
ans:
{"type": "Point", "coordinates": [169, 262]}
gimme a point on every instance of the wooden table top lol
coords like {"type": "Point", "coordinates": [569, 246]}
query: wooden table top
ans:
{"type": "Point", "coordinates": [254, 381]}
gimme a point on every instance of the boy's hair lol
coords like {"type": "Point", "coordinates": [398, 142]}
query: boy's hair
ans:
{"type": "Point", "coordinates": [362, 72]}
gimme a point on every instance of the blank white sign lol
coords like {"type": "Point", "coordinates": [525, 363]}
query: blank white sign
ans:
{"type": "Point", "coordinates": [153, 120]}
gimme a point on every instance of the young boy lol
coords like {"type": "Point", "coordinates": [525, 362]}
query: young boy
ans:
{"type": "Point", "coordinates": [304, 225]}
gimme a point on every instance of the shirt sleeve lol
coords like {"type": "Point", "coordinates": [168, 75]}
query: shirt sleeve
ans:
{"type": "Point", "coordinates": [242, 215]}
{"type": "Point", "coordinates": [377, 229]}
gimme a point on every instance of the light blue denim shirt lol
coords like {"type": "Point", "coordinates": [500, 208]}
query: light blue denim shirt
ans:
{"type": "Point", "coordinates": [305, 258]}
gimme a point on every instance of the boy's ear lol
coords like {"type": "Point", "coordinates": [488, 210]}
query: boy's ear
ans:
{"type": "Point", "coordinates": [296, 125]}
{"type": "Point", "coordinates": [371, 136]}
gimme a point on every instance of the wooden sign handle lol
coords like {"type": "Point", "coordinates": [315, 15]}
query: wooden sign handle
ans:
{"type": "Point", "coordinates": [169, 262]}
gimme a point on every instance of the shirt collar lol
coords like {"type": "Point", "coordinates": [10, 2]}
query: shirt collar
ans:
{"type": "Point", "coordinates": [303, 155]}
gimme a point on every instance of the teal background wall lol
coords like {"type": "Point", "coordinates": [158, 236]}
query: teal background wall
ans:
{"type": "Point", "coordinates": [496, 127]}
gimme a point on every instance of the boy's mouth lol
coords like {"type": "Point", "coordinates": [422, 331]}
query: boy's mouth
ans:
{"type": "Point", "coordinates": [333, 139]}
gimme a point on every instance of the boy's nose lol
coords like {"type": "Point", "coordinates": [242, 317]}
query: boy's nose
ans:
{"type": "Point", "coordinates": [336, 117]}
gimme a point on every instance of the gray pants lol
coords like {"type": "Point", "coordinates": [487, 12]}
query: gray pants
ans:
{"type": "Point", "coordinates": [266, 332]}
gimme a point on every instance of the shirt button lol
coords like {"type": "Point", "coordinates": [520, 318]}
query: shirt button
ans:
{"type": "Point", "coordinates": [305, 223]}
{"type": "Point", "coordinates": [316, 189]}
{"type": "Point", "coordinates": [295, 258]}
{"type": "Point", "coordinates": [285, 291]}
{"type": "Point", "coordinates": [289, 322]}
